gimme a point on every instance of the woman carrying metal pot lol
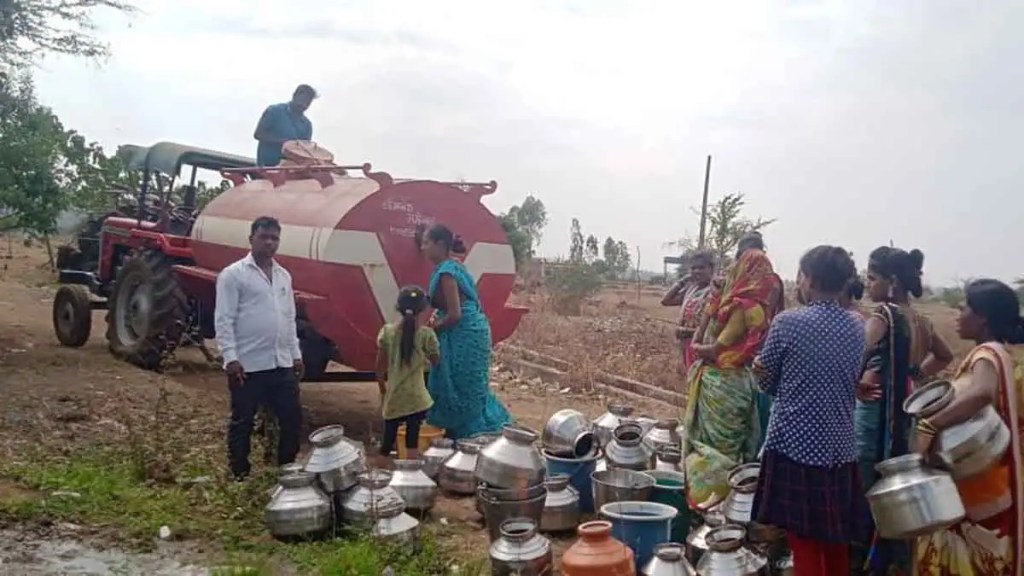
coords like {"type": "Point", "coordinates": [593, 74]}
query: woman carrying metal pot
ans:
{"type": "Point", "coordinates": [809, 483]}
{"type": "Point", "coordinates": [990, 542]}
{"type": "Point", "coordinates": [902, 348]}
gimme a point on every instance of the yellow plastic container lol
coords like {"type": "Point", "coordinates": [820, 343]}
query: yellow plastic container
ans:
{"type": "Point", "coordinates": [428, 434]}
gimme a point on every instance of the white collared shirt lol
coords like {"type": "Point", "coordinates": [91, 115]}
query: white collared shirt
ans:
{"type": "Point", "coordinates": [255, 318]}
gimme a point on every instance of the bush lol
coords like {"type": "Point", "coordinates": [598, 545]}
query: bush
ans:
{"type": "Point", "coordinates": [570, 285]}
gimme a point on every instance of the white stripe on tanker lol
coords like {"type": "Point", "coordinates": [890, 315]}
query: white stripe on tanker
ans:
{"type": "Point", "coordinates": [350, 247]}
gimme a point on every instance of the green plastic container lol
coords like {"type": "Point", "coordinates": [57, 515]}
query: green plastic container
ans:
{"type": "Point", "coordinates": [670, 489]}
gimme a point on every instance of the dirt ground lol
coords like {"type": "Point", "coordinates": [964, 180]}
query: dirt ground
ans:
{"type": "Point", "coordinates": [59, 401]}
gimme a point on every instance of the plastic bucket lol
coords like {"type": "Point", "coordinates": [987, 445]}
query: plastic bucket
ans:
{"type": "Point", "coordinates": [641, 526]}
{"type": "Point", "coordinates": [428, 434]}
{"type": "Point", "coordinates": [670, 489]}
{"type": "Point", "coordinates": [579, 471]}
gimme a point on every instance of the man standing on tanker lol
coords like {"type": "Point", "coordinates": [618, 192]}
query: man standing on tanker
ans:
{"type": "Point", "coordinates": [281, 123]}
{"type": "Point", "coordinates": [256, 333]}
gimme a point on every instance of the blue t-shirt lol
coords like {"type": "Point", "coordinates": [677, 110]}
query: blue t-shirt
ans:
{"type": "Point", "coordinates": [285, 124]}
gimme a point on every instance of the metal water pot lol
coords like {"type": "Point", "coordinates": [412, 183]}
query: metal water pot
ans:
{"type": "Point", "coordinates": [646, 423]}
{"type": "Point", "coordinates": [696, 541]}
{"type": "Point", "coordinates": [970, 447]}
{"type": "Point", "coordinates": [299, 509]}
{"type": "Point", "coordinates": [669, 458]}
{"type": "Point", "coordinates": [662, 434]}
{"type": "Point", "coordinates": [500, 504]}
{"type": "Point", "coordinates": [669, 560]}
{"type": "Point", "coordinates": [605, 424]}
{"type": "Point", "coordinates": [457, 472]}
{"type": "Point", "coordinates": [286, 470]}
{"type": "Point", "coordinates": [568, 434]}
{"type": "Point", "coordinates": [392, 524]}
{"type": "Point", "coordinates": [372, 495]}
{"type": "Point", "coordinates": [512, 461]}
{"type": "Point", "coordinates": [521, 551]}
{"type": "Point", "coordinates": [910, 500]}
{"type": "Point", "coordinates": [334, 459]}
{"type": "Point", "coordinates": [726, 555]}
{"type": "Point", "coordinates": [627, 449]}
{"type": "Point", "coordinates": [414, 486]}
{"type": "Point", "coordinates": [739, 504]}
{"type": "Point", "coordinates": [561, 507]}
{"type": "Point", "coordinates": [440, 449]}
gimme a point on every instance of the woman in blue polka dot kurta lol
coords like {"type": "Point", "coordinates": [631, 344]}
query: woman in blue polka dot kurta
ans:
{"type": "Point", "coordinates": [809, 483]}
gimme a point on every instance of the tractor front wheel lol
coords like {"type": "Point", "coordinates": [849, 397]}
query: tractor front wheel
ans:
{"type": "Point", "coordinates": [148, 311]}
{"type": "Point", "coordinates": [72, 315]}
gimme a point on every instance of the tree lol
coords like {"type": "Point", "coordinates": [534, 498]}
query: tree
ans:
{"type": "Point", "coordinates": [726, 225]}
{"type": "Point", "coordinates": [32, 166]}
{"type": "Point", "coordinates": [576, 243]}
{"type": "Point", "coordinates": [616, 258]}
{"type": "Point", "coordinates": [593, 248]}
{"type": "Point", "coordinates": [30, 28]}
{"type": "Point", "coordinates": [524, 225]}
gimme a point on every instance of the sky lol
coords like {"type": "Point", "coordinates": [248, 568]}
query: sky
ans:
{"type": "Point", "coordinates": [856, 123]}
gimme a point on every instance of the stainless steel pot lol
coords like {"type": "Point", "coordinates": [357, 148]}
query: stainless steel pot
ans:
{"type": "Point", "coordinates": [605, 424]}
{"type": "Point", "coordinates": [627, 449]}
{"type": "Point", "coordinates": [669, 560]}
{"type": "Point", "coordinates": [696, 540]}
{"type": "Point", "coordinates": [394, 525]}
{"type": "Point", "coordinates": [970, 447]}
{"type": "Point", "coordinates": [621, 486]}
{"type": "Point", "coordinates": [364, 504]}
{"type": "Point", "coordinates": [335, 460]}
{"type": "Point", "coordinates": [512, 461]}
{"type": "Point", "coordinates": [669, 458]}
{"type": "Point", "coordinates": [568, 434]}
{"type": "Point", "coordinates": [726, 555]}
{"type": "Point", "coordinates": [440, 449]}
{"type": "Point", "coordinates": [739, 504]}
{"type": "Point", "coordinates": [561, 507]}
{"type": "Point", "coordinates": [662, 434]}
{"type": "Point", "coordinates": [502, 504]}
{"type": "Point", "coordinates": [299, 509]}
{"type": "Point", "coordinates": [520, 550]}
{"type": "Point", "coordinates": [457, 472]}
{"type": "Point", "coordinates": [286, 470]}
{"type": "Point", "coordinates": [414, 486]}
{"type": "Point", "coordinates": [910, 500]}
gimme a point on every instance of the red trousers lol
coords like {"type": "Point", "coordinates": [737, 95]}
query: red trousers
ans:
{"type": "Point", "coordinates": [816, 558]}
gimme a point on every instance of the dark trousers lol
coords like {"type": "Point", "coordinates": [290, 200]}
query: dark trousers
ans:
{"type": "Point", "coordinates": [412, 432]}
{"type": "Point", "coordinates": [278, 390]}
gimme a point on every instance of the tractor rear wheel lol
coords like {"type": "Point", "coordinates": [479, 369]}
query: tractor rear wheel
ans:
{"type": "Point", "coordinates": [148, 312]}
{"type": "Point", "coordinates": [72, 315]}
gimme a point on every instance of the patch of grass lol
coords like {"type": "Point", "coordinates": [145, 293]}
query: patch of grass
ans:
{"type": "Point", "coordinates": [104, 487]}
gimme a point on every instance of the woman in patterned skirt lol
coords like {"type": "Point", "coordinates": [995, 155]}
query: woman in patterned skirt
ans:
{"type": "Point", "coordinates": [722, 417]}
{"type": "Point", "coordinates": [990, 542]}
{"type": "Point", "coordinates": [809, 483]}
{"type": "Point", "coordinates": [464, 404]}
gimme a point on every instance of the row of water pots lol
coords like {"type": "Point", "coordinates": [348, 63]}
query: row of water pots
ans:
{"type": "Point", "coordinates": [335, 487]}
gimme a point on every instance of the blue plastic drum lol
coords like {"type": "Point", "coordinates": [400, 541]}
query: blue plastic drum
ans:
{"type": "Point", "coordinates": [641, 526]}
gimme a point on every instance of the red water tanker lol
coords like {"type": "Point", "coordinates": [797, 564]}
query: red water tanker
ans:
{"type": "Point", "coordinates": [349, 239]}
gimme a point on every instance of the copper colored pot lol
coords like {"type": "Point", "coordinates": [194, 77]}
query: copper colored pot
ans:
{"type": "Point", "coordinates": [596, 553]}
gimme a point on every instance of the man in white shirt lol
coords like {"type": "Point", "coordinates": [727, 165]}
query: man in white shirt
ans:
{"type": "Point", "coordinates": [256, 333]}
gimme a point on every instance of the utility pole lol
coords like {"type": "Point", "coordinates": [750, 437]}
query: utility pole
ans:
{"type": "Point", "coordinates": [704, 205]}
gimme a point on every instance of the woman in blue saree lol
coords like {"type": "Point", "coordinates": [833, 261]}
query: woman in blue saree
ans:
{"type": "Point", "coordinates": [464, 405]}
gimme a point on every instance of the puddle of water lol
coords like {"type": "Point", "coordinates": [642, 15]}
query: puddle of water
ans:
{"type": "Point", "coordinates": [30, 557]}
